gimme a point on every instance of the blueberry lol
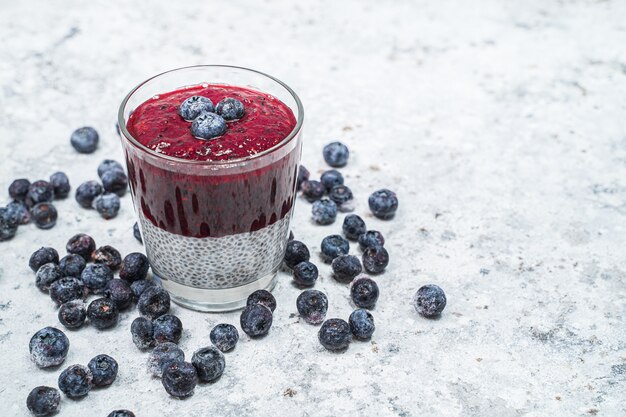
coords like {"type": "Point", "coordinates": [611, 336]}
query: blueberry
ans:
{"type": "Point", "coordinates": [43, 401]}
{"type": "Point", "coordinates": [121, 413]}
{"type": "Point", "coordinates": [295, 253]}
{"type": "Point", "coordinates": [353, 226]}
{"type": "Point", "coordinates": [17, 212]}
{"type": "Point", "coordinates": [193, 106]}
{"type": "Point", "coordinates": [342, 196]}
{"type": "Point", "coordinates": [305, 274]}
{"type": "Point", "coordinates": [256, 320]}
{"type": "Point", "coordinates": [162, 355]}
{"type": "Point", "coordinates": [375, 259]}
{"type": "Point", "coordinates": [370, 239]}
{"type": "Point", "coordinates": [138, 287]}
{"type": "Point", "coordinates": [44, 215]}
{"type": "Point", "coordinates": [142, 332]}
{"type": "Point", "coordinates": [364, 292]}
{"type": "Point", "coordinates": [312, 306]}
{"type": "Point", "coordinates": [430, 300]}
{"type": "Point", "coordinates": [109, 165]}
{"type": "Point", "coordinates": [60, 184]}
{"type": "Point", "coordinates": [333, 246]}
{"type": "Point", "coordinates": [39, 192]}
{"type": "Point", "coordinates": [336, 154]}
{"type": "Point", "coordinates": [362, 324]}
{"type": "Point", "coordinates": [224, 336]}
{"type": "Point", "coordinates": [383, 203]}
{"type": "Point", "coordinates": [154, 302]}
{"type": "Point", "coordinates": [85, 139]}
{"type": "Point", "coordinates": [42, 256]}
{"type": "Point", "coordinates": [209, 363]}
{"type": "Point", "coordinates": [137, 233]}
{"type": "Point", "coordinates": [72, 265]}
{"type": "Point", "coordinates": [263, 297]}
{"type": "Point", "coordinates": [95, 277]}
{"type": "Point", "coordinates": [76, 381]}
{"type": "Point", "coordinates": [119, 291]}
{"type": "Point", "coordinates": [8, 225]}
{"type": "Point", "coordinates": [103, 313]}
{"type": "Point", "coordinates": [312, 190]}
{"type": "Point", "coordinates": [230, 108]}
{"type": "Point", "coordinates": [324, 211]}
{"type": "Point", "coordinates": [346, 267]}
{"type": "Point", "coordinates": [72, 314]}
{"type": "Point", "coordinates": [134, 267]}
{"type": "Point", "coordinates": [303, 175]}
{"type": "Point", "coordinates": [87, 192]}
{"type": "Point", "coordinates": [107, 205]}
{"type": "Point", "coordinates": [67, 289]}
{"type": "Point", "coordinates": [179, 379]}
{"type": "Point", "coordinates": [108, 256]}
{"type": "Point", "coordinates": [46, 275]}
{"type": "Point", "coordinates": [81, 244]}
{"type": "Point", "coordinates": [114, 181]}
{"type": "Point", "coordinates": [19, 189]}
{"type": "Point", "coordinates": [335, 334]}
{"type": "Point", "coordinates": [167, 328]}
{"type": "Point", "coordinates": [48, 347]}
{"type": "Point", "coordinates": [103, 369]}
{"type": "Point", "coordinates": [208, 126]}
{"type": "Point", "coordinates": [331, 178]}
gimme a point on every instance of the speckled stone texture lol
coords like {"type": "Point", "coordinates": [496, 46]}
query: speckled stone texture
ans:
{"type": "Point", "coordinates": [500, 125]}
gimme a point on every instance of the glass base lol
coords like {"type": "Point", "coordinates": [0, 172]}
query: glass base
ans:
{"type": "Point", "coordinates": [215, 300]}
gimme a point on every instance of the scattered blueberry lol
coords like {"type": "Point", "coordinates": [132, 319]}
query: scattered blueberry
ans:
{"type": "Point", "coordinates": [109, 165]}
{"type": "Point", "coordinates": [162, 355]}
{"type": "Point", "coordinates": [109, 256]}
{"type": "Point", "coordinates": [8, 225]}
{"type": "Point", "coordinates": [142, 332]}
{"type": "Point", "coordinates": [72, 314]}
{"type": "Point", "coordinates": [119, 291]}
{"type": "Point", "coordinates": [85, 139]}
{"type": "Point", "coordinates": [67, 289]}
{"type": "Point", "coordinates": [295, 253]}
{"type": "Point", "coordinates": [95, 277]}
{"type": "Point", "coordinates": [230, 109]}
{"type": "Point", "coordinates": [103, 369]}
{"type": "Point", "coordinates": [193, 106]}
{"type": "Point", "coordinates": [336, 154]}
{"type": "Point", "coordinates": [331, 178]}
{"type": "Point", "coordinates": [335, 334]}
{"type": "Point", "coordinates": [121, 413]}
{"type": "Point", "coordinates": [103, 313]}
{"type": "Point", "coordinates": [42, 256]}
{"type": "Point", "coordinates": [167, 328]}
{"type": "Point", "coordinates": [430, 300]}
{"type": "Point", "coordinates": [312, 190]}
{"type": "Point", "coordinates": [19, 189]}
{"type": "Point", "coordinates": [46, 275]}
{"type": "Point", "coordinates": [87, 192]}
{"type": "Point", "coordinates": [362, 324]}
{"type": "Point", "coordinates": [43, 401]}
{"type": "Point", "coordinates": [333, 246]}
{"type": "Point", "coordinates": [303, 175]}
{"type": "Point", "coordinates": [76, 381]}
{"type": "Point", "coordinates": [346, 267]}
{"type": "Point", "coordinates": [312, 306]}
{"type": "Point", "coordinates": [81, 244]}
{"type": "Point", "coordinates": [44, 215]}
{"type": "Point", "coordinates": [262, 297]}
{"type": "Point", "coordinates": [179, 379]}
{"type": "Point", "coordinates": [107, 205]}
{"type": "Point", "coordinates": [18, 212]}
{"type": "Point", "coordinates": [324, 211]}
{"type": "Point", "coordinates": [208, 126]}
{"type": "Point", "coordinates": [370, 239]}
{"type": "Point", "coordinates": [137, 233]}
{"type": "Point", "coordinates": [364, 292]}
{"type": "Point", "coordinates": [353, 226]}
{"type": "Point", "coordinates": [224, 336]}
{"type": "Point", "coordinates": [383, 203]}
{"type": "Point", "coordinates": [305, 274]}
{"type": "Point", "coordinates": [256, 320]}
{"type": "Point", "coordinates": [154, 302]}
{"type": "Point", "coordinates": [134, 267]}
{"type": "Point", "coordinates": [209, 363]}
{"type": "Point", "coordinates": [342, 196]}
{"type": "Point", "coordinates": [115, 181]}
{"type": "Point", "coordinates": [60, 184]}
{"type": "Point", "coordinates": [138, 287]}
{"type": "Point", "coordinates": [48, 347]}
{"type": "Point", "coordinates": [39, 192]}
{"type": "Point", "coordinates": [375, 259]}
{"type": "Point", "coordinates": [72, 265]}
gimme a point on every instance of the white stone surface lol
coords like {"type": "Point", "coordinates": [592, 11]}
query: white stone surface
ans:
{"type": "Point", "coordinates": [499, 124]}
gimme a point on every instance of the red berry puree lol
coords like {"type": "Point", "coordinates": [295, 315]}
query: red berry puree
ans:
{"type": "Point", "coordinates": [213, 205]}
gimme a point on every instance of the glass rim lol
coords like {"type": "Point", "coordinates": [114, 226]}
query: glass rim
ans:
{"type": "Point", "coordinates": [128, 137]}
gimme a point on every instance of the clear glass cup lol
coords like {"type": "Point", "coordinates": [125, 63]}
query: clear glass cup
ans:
{"type": "Point", "coordinates": [214, 231]}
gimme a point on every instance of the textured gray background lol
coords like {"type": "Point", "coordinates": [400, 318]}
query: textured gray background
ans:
{"type": "Point", "coordinates": [501, 127]}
